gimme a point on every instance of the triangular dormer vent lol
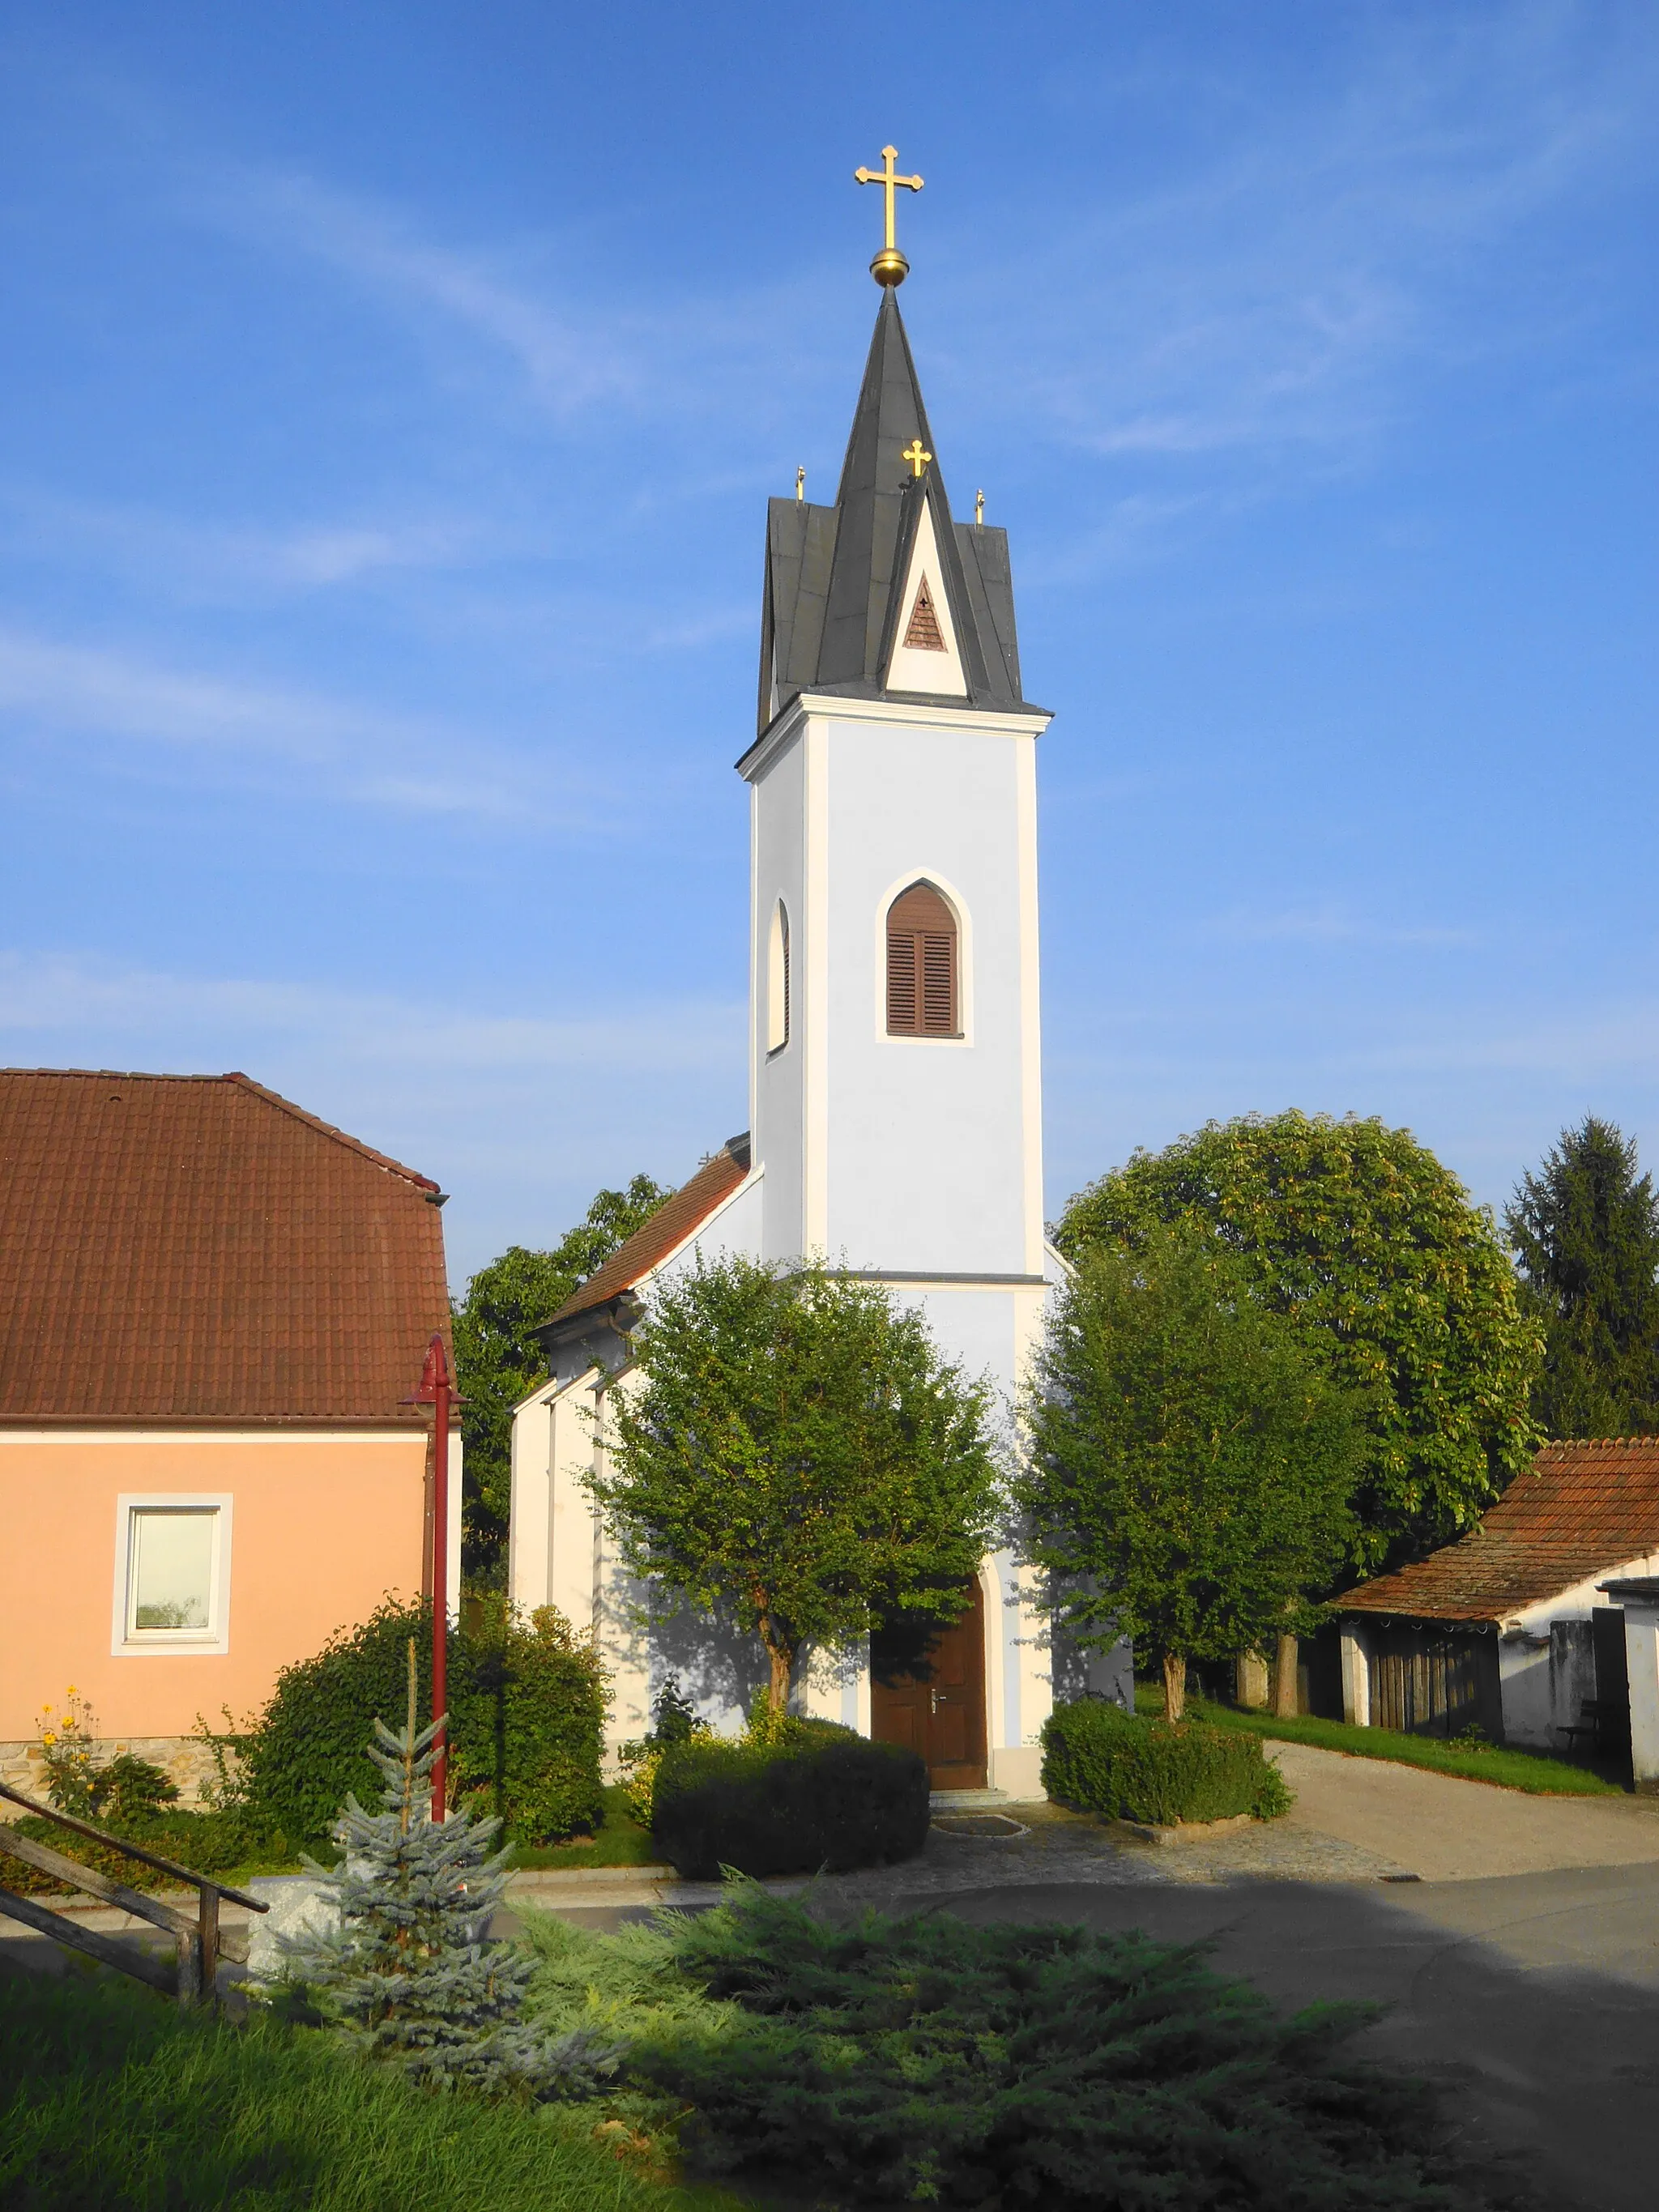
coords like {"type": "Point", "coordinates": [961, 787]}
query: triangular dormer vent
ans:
{"type": "Point", "coordinates": [924, 634]}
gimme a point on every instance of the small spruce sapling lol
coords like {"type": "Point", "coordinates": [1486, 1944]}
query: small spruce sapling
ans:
{"type": "Point", "coordinates": [408, 1976]}
{"type": "Point", "coordinates": [674, 1719]}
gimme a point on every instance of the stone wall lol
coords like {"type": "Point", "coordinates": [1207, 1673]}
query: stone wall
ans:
{"type": "Point", "coordinates": [185, 1758]}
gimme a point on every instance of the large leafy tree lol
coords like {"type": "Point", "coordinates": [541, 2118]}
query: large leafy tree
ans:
{"type": "Point", "coordinates": [1191, 1459]}
{"type": "Point", "coordinates": [498, 1360]}
{"type": "Point", "coordinates": [1396, 1283]}
{"type": "Point", "coordinates": [1586, 1229]}
{"type": "Point", "coordinates": [794, 1454]}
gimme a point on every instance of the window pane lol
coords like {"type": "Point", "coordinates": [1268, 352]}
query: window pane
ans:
{"type": "Point", "coordinates": [172, 1567]}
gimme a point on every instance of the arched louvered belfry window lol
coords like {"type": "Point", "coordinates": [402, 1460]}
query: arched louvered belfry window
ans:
{"type": "Point", "coordinates": [777, 981]}
{"type": "Point", "coordinates": [922, 965]}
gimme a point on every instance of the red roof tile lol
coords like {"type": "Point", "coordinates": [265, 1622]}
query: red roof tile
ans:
{"type": "Point", "coordinates": [1583, 1508]}
{"type": "Point", "coordinates": [194, 1247]}
{"type": "Point", "coordinates": [667, 1228]}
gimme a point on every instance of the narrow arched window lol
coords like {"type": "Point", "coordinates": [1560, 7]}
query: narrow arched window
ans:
{"type": "Point", "coordinates": [777, 981]}
{"type": "Point", "coordinates": [921, 964]}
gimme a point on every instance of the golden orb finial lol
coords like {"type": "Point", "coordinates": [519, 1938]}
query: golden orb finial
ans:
{"type": "Point", "coordinates": [890, 266]}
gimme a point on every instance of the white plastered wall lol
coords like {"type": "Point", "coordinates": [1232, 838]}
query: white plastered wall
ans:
{"type": "Point", "coordinates": [923, 1156]}
{"type": "Point", "coordinates": [1524, 1654]}
{"type": "Point", "coordinates": [918, 1154]}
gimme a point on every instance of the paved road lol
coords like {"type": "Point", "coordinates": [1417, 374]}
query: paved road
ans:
{"type": "Point", "coordinates": [1445, 1830]}
{"type": "Point", "coordinates": [1532, 1999]}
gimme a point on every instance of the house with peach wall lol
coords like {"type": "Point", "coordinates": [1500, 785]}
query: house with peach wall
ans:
{"type": "Point", "coordinates": [213, 1308]}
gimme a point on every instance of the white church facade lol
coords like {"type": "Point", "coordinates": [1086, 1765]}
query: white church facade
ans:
{"type": "Point", "coordinates": [894, 1063]}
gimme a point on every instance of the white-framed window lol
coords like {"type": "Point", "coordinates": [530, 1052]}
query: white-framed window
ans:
{"type": "Point", "coordinates": [923, 991]}
{"type": "Point", "coordinates": [173, 1572]}
{"type": "Point", "coordinates": [777, 981]}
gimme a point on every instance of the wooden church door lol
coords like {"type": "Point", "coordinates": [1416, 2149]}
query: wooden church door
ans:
{"type": "Point", "coordinates": [943, 1717]}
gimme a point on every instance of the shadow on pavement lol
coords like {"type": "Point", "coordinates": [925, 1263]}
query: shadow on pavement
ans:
{"type": "Point", "coordinates": [1531, 2001]}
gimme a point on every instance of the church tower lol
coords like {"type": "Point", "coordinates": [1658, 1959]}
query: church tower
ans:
{"type": "Point", "coordinates": [895, 1052]}
{"type": "Point", "coordinates": [895, 1064]}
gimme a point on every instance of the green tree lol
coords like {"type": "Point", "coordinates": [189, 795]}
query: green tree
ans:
{"type": "Point", "coordinates": [1191, 1461]}
{"type": "Point", "coordinates": [1585, 1231]}
{"type": "Point", "coordinates": [498, 1360]}
{"type": "Point", "coordinates": [797, 1457]}
{"type": "Point", "coordinates": [1398, 1285]}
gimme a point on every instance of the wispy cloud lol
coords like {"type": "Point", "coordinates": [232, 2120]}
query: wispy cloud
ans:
{"type": "Point", "coordinates": [525, 301]}
{"type": "Point", "coordinates": [48, 994]}
{"type": "Point", "coordinates": [1275, 299]}
{"type": "Point", "coordinates": [366, 755]}
{"type": "Point", "coordinates": [217, 562]}
{"type": "Point", "coordinates": [567, 361]}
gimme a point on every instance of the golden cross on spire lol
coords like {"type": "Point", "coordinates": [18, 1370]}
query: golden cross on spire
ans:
{"type": "Point", "coordinates": [917, 459]}
{"type": "Point", "coordinates": [890, 266]}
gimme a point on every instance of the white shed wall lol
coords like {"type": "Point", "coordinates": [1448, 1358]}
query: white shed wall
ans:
{"type": "Point", "coordinates": [1524, 1655]}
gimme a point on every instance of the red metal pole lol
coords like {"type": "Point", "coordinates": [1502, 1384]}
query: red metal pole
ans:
{"type": "Point", "coordinates": [441, 1579]}
{"type": "Point", "coordinates": [437, 1391]}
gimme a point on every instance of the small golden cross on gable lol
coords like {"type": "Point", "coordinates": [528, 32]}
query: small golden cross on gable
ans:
{"type": "Point", "coordinates": [917, 459]}
{"type": "Point", "coordinates": [890, 266]}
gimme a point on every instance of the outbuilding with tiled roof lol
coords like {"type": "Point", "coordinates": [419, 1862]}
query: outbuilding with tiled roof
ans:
{"type": "Point", "coordinates": [214, 1308]}
{"type": "Point", "coordinates": [1510, 1627]}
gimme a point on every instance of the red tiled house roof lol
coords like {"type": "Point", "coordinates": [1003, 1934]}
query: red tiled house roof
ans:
{"type": "Point", "coordinates": [178, 1248]}
{"type": "Point", "coordinates": [1582, 1509]}
{"type": "Point", "coordinates": [667, 1229]}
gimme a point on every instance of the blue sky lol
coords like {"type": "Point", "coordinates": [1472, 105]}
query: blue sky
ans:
{"type": "Point", "coordinates": [389, 396]}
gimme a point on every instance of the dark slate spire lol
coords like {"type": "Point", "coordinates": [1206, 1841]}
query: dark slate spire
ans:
{"type": "Point", "coordinates": [834, 574]}
{"type": "Point", "coordinates": [890, 417]}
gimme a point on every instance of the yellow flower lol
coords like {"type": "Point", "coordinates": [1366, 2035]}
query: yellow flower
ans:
{"type": "Point", "coordinates": [71, 1689]}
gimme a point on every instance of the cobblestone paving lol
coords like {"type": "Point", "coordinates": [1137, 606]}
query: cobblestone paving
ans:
{"type": "Point", "coordinates": [1064, 1847]}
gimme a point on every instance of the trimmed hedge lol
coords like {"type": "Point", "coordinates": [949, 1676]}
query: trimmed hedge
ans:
{"type": "Point", "coordinates": [527, 1707]}
{"type": "Point", "coordinates": [1102, 1760]}
{"type": "Point", "coordinates": [819, 1797]}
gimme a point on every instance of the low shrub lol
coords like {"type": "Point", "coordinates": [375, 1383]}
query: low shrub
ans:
{"type": "Point", "coordinates": [818, 1795]}
{"type": "Point", "coordinates": [871, 2060]}
{"type": "Point", "coordinates": [1102, 1760]}
{"type": "Point", "coordinates": [526, 1711]}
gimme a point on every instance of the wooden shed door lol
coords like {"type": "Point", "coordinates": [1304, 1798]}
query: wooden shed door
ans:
{"type": "Point", "coordinates": [1434, 1682]}
{"type": "Point", "coordinates": [944, 1716]}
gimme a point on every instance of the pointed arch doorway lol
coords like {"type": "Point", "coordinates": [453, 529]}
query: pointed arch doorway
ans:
{"type": "Point", "coordinates": [941, 1716]}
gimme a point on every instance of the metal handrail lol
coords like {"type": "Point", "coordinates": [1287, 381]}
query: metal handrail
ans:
{"type": "Point", "coordinates": [199, 1942]}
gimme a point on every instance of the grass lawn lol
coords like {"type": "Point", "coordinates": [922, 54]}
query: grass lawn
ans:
{"type": "Point", "coordinates": [619, 1841]}
{"type": "Point", "coordinates": [1539, 1775]}
{"type": "Point", "coordinates": [112, 2099]}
